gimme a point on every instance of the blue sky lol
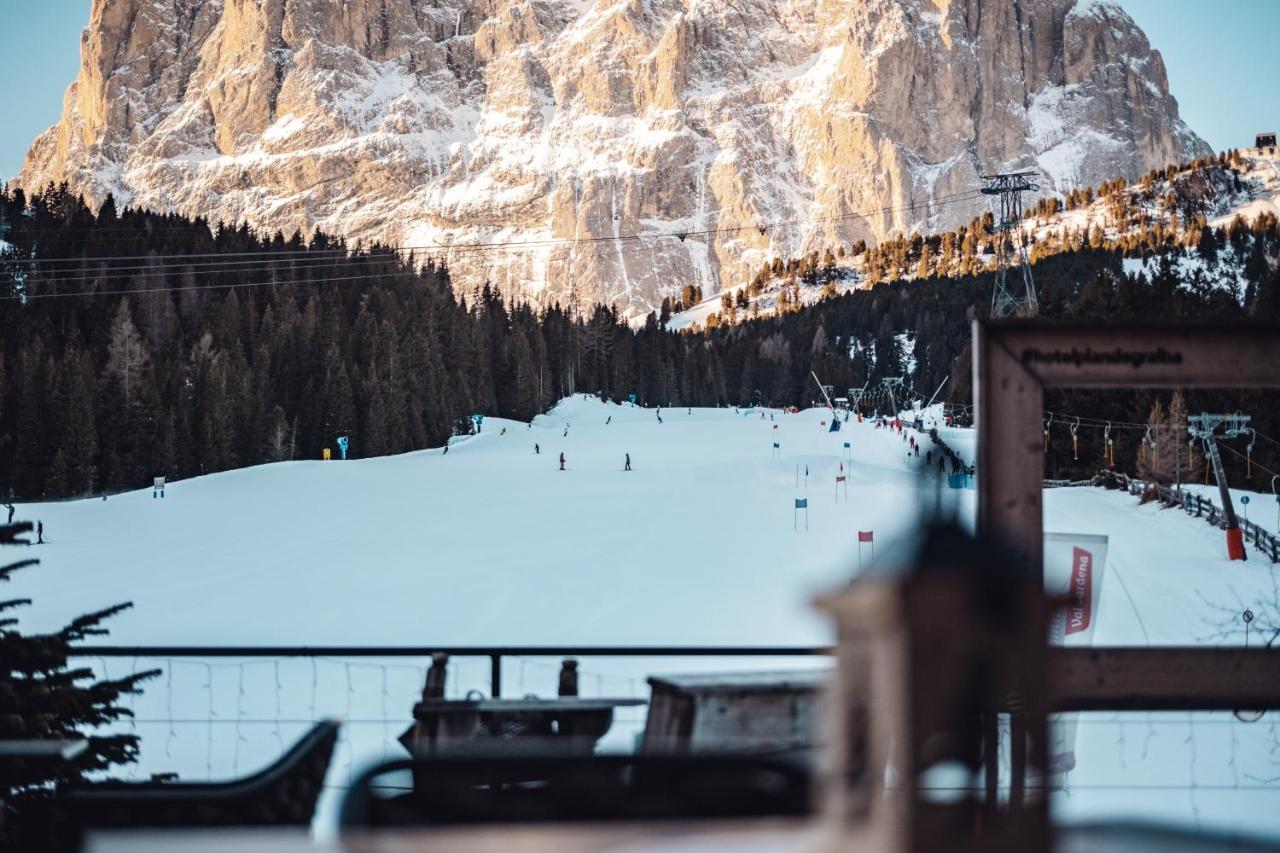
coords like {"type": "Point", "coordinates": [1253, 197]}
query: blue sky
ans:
{"type": "Point", "coordinates": [1221, 56]}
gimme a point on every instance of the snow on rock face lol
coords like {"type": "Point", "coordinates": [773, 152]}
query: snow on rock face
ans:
{"type": "Point", "coordinates": [433, 122]}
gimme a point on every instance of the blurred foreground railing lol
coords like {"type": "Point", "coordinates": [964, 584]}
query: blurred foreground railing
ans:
{"type": "Point", "coordinates": [495, 654]}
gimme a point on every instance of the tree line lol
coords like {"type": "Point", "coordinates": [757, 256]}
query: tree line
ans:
{"type": "Point", "coordinates": [137, 344]}
{"type": "Point", "coordinates": [203, 348]}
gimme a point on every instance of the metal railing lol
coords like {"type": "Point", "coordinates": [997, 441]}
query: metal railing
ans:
{"type": "Point", "coordinates": [495, 654]}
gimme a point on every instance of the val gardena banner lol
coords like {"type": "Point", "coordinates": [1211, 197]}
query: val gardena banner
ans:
{"type": "Point", "coordinates": [1073, 571]}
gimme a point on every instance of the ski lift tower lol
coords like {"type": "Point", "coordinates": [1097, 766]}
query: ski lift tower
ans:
{"type": "Point", "coordinates": [1204, 426]}
{"type": "Point", "coordinates": [890, 384]}
{"type": "Point", "coordinates": [825, 389]}
{"type": "Point", "coordinates": [1010, 187]}
{"type": "Point", "coordinates": [855, 396]}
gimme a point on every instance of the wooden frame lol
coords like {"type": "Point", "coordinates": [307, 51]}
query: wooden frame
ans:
{"type": "Point", "coordinates": [1014, 361]}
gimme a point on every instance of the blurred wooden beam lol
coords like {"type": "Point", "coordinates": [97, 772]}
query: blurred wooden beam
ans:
{"type": "Point", "coordinates": [1164, 679]}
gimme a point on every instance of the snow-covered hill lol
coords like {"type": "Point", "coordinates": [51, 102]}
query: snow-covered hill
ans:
{"type": "Point", "coordinates": [1157, 223]}
{"type": "Point", "coordinates": [492, 544]}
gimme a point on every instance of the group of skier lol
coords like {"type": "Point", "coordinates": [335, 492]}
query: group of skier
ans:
{"type": "Point", "coordinates": [40, 524]}
{"type": "Point", "coordinates": [626, 462]}
{"type": "Point", "coordinates": [537, 448]}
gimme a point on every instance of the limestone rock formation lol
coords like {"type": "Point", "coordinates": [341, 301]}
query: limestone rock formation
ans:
{"type": "Point", "coordinates": [750, 128]}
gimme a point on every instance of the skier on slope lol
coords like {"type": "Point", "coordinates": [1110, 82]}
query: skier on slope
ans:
{"type": "Point", "coordinates": [10, 508]}
{"type": "Point", "coordinates": [446, 450]}
{"type": "Point", "coordinates": [39, 532]}
{"type": "Point", "coordinates": [627, 466]}
{"type": "Point", "coordinates": [562, 460]}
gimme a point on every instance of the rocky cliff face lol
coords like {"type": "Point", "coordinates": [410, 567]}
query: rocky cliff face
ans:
{"type": "Point", "coordinates": [749, 127]}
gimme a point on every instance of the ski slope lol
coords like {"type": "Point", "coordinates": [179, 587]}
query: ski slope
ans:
{"type": "Point", "coordinates": [491, 544]}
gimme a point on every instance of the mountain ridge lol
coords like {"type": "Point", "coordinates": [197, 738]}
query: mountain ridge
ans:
{"type": "Point", "coordinates": [563, 124]}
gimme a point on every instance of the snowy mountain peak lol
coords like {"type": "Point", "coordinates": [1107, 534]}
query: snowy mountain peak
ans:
{"type": "Point", "coordinates": [439, 123]}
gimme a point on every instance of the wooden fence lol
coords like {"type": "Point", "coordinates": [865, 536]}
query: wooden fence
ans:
{"type": "Point", "coordinates": [1172, 496]}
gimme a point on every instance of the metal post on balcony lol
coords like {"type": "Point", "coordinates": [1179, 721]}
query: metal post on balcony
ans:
{"type": "Point", "coordinates": [495, 675]}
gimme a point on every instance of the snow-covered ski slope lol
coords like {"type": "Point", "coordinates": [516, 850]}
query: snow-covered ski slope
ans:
{"type": "Point", "coordinates": [492, 544]}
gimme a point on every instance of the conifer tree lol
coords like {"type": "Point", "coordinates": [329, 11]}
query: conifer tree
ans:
{"type": "Point", "coordinates": [43, 698]}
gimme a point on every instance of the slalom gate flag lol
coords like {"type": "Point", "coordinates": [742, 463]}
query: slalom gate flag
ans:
{"type": "Point", "coordinates": [840, 478]}
{"type": "Point", "coordinates": [1073, 571]}
{"type": "Point", "coordinates": [776, 445]}
{"type": "Point", "coordinates": [802, 503]}
{"type": "Point", "coordinates": [846, 445]}
{"type": "Point", "coordinates": [866, 535]}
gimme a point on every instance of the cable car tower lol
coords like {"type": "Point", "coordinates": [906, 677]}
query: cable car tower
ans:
{"type": "Point", "coordinates": [1010, 187]}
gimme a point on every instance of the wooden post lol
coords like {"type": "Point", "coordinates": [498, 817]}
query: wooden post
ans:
{"type": "Point", "coordinates": [1008, 401]}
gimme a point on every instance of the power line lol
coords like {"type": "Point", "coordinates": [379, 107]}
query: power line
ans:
{"type": "Point", "coordinates": [236, 286]}
{"type": "Point", "coordinates": [557, 254]}
{"type": "Point", "coordinates": [1248, 459]}
{"type": "Point", "coordinates": [211, 268]}
{"type": "Point", "coordinates": [953, 198]}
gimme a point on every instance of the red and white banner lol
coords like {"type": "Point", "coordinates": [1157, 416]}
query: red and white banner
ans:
{"type": "Point", "coordinates": [1073, 572]}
